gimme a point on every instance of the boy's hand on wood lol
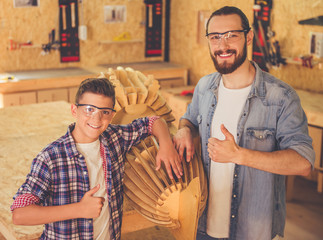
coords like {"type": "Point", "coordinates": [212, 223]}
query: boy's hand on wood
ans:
{"type": "Point", "coordinates": [91, 206]}
{"type": "Point", "coordinates": [171, 160]}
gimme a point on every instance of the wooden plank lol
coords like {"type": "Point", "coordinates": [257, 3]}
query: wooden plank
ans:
{"type": "Point", "coordinates": [14, 99]}
{"type": "Point", "coordinates": [60, 94]}
{"type": "Point", "coordinates": [31, 127]}
{"type": "Point", "coordinates": [132, 221]}
{"type": "Point", "coordinates": [42, 83]}
{"type": "Point", "coordinates": [313, 107]}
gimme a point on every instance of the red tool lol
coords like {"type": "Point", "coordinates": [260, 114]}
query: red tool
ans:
{"type": "Point", "coordinates": [187, 92]}
{"type": "Point", "coordinates": [307, 61]}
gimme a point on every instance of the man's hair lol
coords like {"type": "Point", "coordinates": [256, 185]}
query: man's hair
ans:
{"type": "Point", "coordinates": [100, 86]}
{"type": "Point", "coordinates": [228, 10]}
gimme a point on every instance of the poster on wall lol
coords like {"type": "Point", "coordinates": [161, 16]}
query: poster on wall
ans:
{"type": "Point", "coordinates": [115, 14]}
{"type": "Point", "coordinates": [25, 3]}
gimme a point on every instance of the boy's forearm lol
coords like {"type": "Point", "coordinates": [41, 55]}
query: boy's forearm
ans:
{"type": "Point", "coordinates": [160, 130]}
{"type": "Point", "coordinates": [36, 215]}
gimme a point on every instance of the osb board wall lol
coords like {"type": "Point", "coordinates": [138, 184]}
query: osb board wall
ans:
{"type": "Point", "coordinates": [293, 38]}
{"type": "Point", "coordinates": [35, 23]}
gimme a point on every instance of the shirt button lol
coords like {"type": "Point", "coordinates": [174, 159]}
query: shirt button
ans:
{"type": "Point", "coordinates": [234, 196]}
{"type": "Point", "coordinates": [212, 105]}
{"type": "Point", "coordinates": [90, 221]}
{"type": "Point", "coordinates": [235, 175]}
{"type": "Point", "coordinates": [21, 189]}
{"type": "Point", "coordinates": [208, 125]}
{"type": "Point", "coordinates": [261, 137]}
{"type": "Point", "coordinates": [232, 216]}
{"type": "Point", "coordinates": [85, 173]}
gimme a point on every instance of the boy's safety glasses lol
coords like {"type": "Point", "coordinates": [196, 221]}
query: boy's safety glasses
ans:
{"type": "Point", "coordinates": [91, 110]}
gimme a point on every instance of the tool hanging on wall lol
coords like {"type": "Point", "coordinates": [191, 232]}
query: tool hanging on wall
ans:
{"type": "Point", "coordinates": [52, 44]}
{"type": "Point", "coordinates": [266, 49]}
{"type": "Point", "coordinates": [153, 28]}
{"type": "Point", "coordinates": [312, 21]}
{"type": "Point", "coordinates": [260, 52]}
{"type": "Point", "coordinates": [68, 26]}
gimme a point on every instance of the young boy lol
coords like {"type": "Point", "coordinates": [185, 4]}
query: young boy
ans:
{"type": "Point", "coordinates": [75, 183]}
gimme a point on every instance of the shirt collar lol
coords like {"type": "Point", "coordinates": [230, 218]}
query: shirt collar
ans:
{"type": "Point", "coordinates": [258, 86]}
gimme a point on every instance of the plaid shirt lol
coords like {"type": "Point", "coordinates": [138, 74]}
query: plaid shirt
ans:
{"type": "Point", "coordinates": [59, 176]}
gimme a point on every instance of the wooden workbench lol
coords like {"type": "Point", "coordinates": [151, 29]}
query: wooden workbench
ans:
{"type": "Point", "coordinates": [312, 104]}
{"type": "Point", "coordinates": [25, 130]}
{"type": "Point", "coordinates": [47, 85]}
{"type": "Point", "coordinates": [71, 77]}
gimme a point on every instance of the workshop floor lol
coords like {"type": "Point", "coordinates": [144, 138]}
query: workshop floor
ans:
{"type": "Point", "coordinates": [153, 233]}
{"type": "Point", "coordinates": [304, 218]}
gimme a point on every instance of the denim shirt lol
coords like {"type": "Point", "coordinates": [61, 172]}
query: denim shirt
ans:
{"type": "Point", "coordinates": [272, 119]}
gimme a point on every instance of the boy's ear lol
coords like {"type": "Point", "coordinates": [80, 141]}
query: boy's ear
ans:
{"type": "Point", "coordinates": [73, 110]}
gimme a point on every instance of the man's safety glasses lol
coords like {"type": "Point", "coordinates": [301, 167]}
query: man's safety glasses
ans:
{"type": "Point", "coordinates": [229, 36]}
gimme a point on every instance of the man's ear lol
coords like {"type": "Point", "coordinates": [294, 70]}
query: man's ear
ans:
{"type": "Point", "coordinates": [250, 36]}
{"type": "Point", "coordinates": [73, 110]}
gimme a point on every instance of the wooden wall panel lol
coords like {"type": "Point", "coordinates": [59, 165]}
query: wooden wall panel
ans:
{"type": "Point", "coordinates": [294, 39]}
{"type": "Point", "coordinates": [35, 23]}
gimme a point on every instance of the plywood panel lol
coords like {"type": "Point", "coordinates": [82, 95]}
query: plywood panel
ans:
{"type": "Point", "coordinates": [34, 24]}
{"type": "Point", "coordinates": [52, 95]}
{"type": "Point", "coordinates": [294, 39]}
{"type": "Point", "coordinates": [71, 94]}
{"type": "Point", "coordinates": [15, 99]}
{"type": "Point", "coordinates": [30, 127]}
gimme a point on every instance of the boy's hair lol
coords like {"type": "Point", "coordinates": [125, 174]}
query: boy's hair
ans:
{"type": "Point", "coordinates": [100, 86]}
{"type": "Point", "coordinates": [228, 10]}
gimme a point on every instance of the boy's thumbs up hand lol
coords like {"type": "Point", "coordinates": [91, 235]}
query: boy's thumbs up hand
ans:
{"type": "Point", "coordinates": [91, 206]}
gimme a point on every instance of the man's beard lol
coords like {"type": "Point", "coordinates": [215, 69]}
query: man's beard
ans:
{"type": "Point", "coordinates": [226, 68]}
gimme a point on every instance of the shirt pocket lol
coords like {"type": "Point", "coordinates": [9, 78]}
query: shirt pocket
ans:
{"type": "Point", "coordinates": [261, 139]}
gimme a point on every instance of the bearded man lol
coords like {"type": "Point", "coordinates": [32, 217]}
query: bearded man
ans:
{"type": "Point", "coordinates": [253, 132]}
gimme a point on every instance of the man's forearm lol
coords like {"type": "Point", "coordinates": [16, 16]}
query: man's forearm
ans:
{"type": "Point", "coordinates": [284, 162]}
{"type": "Point", "coordinates": [186, 123]}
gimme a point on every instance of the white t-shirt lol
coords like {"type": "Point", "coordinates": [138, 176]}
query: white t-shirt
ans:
{"type": "Point", "coordinates": [91, 152]}
{"type": "Point", "coordinates": [227, 112]}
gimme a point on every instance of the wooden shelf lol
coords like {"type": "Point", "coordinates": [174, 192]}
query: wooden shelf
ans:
{"type": "Point", "coordinates": [122, 41]}
{"type": "Point", "coordinates": [298, 61]}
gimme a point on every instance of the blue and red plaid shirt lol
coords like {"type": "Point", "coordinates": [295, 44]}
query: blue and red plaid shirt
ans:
{"type": "Point", "coordinates": [59, 176]}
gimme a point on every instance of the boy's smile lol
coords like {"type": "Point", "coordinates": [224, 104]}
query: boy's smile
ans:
{"type": "Point", "coordinates": [93, 114]}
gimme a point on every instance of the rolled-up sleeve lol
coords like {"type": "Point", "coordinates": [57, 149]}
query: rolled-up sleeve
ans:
{"type": "Point", "coordinates": [292, 128]}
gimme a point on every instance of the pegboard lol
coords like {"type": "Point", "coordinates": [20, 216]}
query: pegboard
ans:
{"type": "Point", "coordinates": [68, 26]}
